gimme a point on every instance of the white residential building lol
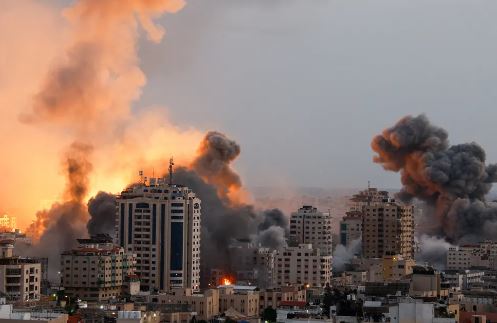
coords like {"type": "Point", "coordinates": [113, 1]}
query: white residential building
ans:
{"type": "Point", "coordinates": [159, 222]}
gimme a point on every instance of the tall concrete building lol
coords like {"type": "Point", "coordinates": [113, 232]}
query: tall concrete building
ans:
{"type": "Point", "coordinates": [351, 228]}
{"type": "Point", "coordinates": [351, 224]}
{"type": "Point", "coordinates": [387, 229]}
{"type": "Point", "coordinates": [302, 265]}
{"type": "Point", "coordinates": [159, 222]}
{"type": "Point", "coordinates": [310, 226]}
{"type": "Point", "coordinates": [97, 270]}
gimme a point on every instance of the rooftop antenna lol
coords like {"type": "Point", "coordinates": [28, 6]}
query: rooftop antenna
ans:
{"type": "Point", "coordinates": [369, 185]}
{"type": "Point", "coordinates": [171, 164]}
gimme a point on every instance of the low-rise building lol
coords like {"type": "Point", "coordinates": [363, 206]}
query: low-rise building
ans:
{"type": "Point", "coordinates": [97, 270]}
{"type": "Point", "coordinates": [481, 255]}
{"type": "Point", "coordinates": [416, 311]}
{"type": "Point", "coordinates": [426, 282]}
{"type": "Point", "coordinates": [19, 277]}
{"type": "Point", "coordinates": [464, 279]}
{"type": "Point", "coordinates": [205, 305]}
{"type": "Point", "coordinates": [242, 299]}
{"type": "Point", "coordinates": [138, 317]}
{"type": "Point", "coordinates": [275, 296]}
{"type": "Point", "coordinates": [8, 315]}
{"type": "Point", "coordinates": [385, 269]}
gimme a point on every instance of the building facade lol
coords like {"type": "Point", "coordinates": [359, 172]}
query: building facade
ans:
{"type": "Point", "coordinates": [206, 305]}
{"type": "Point", "coordinates": [20, 278]}
{"type": "Point", "coordinates": [244, 300]}
{"type": "Point", "coordinates": [464, 257]}
{"type": "Point", "coordinates": [274, 297]}
{"type": "Point", "coordinates": [387, 229]}
{"type": "Point", "coordinates": [250, 265]}
{"type": "Point", "coordinates": [97, 270]}
{"type": "Point", "coordinates": [302, 265]}
{"type": "Point", "coordinates": [160, 223]}
{"type": "Point", "coordinates": [351, 228]}
{"type": "Point", "coordinates": [310, 226]}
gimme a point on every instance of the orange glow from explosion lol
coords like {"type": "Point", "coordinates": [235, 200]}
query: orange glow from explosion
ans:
{"type": "Point", "coordinates": [226, 282]}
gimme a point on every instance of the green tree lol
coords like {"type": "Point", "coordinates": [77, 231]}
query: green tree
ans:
{"type": "Point", "coordinates": [269, 314]}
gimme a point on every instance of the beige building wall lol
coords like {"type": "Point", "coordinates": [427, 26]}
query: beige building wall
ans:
{"type": "Point", "coordinates": [274, 297]}
{"type": "Point", "coordinates": [310, 226]}
{"type": "Point", "coordinates": [246, 303]}
{"type": "Point", "coordinates": [96, 273]}
{"type": "Point", "coordinates": [302, 265]}
{"type": "Point", "coordinates": [388, 229]}
{"type": "Point", "coordinates": [468, 256]}
{"type": "Point", "coordinates": [206, 305]}
{"type": "Point", "coordinates": [427, 284]}
{"type": "Point", "coordinates": [20, 278]}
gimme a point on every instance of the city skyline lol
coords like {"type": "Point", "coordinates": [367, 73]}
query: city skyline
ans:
{"type": "Point", "coordinates": [248, 161]}
{"type": "Point", "coordinates": [334, 119]}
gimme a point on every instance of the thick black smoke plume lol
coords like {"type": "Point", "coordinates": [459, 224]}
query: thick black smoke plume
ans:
{"type": "Point", "coordinates": [223, 221]}
{"type": "Point", "coordinates": [102, 209]}
{"type": "Point", "coordinates": [58, 228]}
{"type": "Point", "coordinates": [452, 180]}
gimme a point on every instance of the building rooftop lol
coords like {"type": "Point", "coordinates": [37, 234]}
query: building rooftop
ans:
{"type": "Point", "coordinates": [18, 261]}
{"type": "Point", "coordinates": [99, 238]}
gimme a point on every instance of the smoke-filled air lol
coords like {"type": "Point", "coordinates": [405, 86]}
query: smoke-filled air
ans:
{"type": "Point", "coordinates": [452, 180]}
{"type": "Point", "coordinates": [81, 104]}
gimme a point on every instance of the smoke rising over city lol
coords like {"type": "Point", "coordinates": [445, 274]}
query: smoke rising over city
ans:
{"type": "Point", "coordinates": [225, 220]}
{"type": "Point", "coordinates": [452, 180]}
{"type": "Point", "coordinates": [56, 229]}
{"type": "Point", "coordinates": [102, 210]}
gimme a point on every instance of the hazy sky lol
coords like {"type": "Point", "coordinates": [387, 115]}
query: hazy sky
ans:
{"type": "Point", "coordinates": [303, 85]}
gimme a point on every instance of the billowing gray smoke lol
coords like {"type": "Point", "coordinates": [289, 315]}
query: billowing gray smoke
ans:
{"type": "Point", "coordinates": [433, 251]}
{"type": "Point", "coordinates": [64, 222]}
{"type": "Point", "coordinates": [342, 255]}
{"type": "Point", "coordinates": [215, 154]}
{"type": "Point", "coordinates": [212, 179]}
{"type": "Point", "coordinates": [224, 223]}
{"type": "Point", "coordinates": [102, 209]}
{"type": "Point", "coordinates": [452, 180]}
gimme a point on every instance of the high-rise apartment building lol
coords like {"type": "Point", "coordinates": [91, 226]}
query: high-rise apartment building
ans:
{"type": "Point", "coordinates": [388, 229]}
{"type": "Point", "coordinates": [159, 222]}
{"type": "Point", "coordinates": [302, 265]}
{"type": "Point", "coordinates": [97, 270]}
{"type": "Point", "coordinates": [310, 226]}
{"type": "Point", "coordinates": [351, 228]}
{"type": "Point", "coordinates": [351, 224]}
